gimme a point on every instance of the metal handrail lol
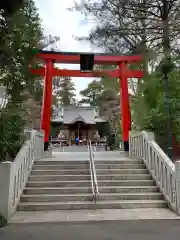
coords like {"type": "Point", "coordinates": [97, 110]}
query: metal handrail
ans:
{"type": "Point", "coordinates": [93, 171]}
{"type": "Point", "coordinates": [95, 147]}
{"type": "Point", "coordinates": [62, 147]}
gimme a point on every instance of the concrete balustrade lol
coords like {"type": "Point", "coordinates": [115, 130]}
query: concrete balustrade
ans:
{"type": "Point", "coordinates": [14, 175]}
{"type": "Point", "coordinates": [163, 170]}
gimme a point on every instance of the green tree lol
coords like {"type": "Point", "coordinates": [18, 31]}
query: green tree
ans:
{"type": "Point", "coordinates": [147, 27]}
{"type": "Point", "coordinates": [109, 109]}
{"type": "Point", "coordinates": [65, 90]}
{"type": "Point", "coordinates": [105, 95]}
{"type": "Point", "coordinates": [23, 33]}
{"type": "Point", "coordinates": [108, 82]}
{"type": "Point", "coordinates": [143, 27]}
{"type": "Point", "coordinates": [91, 93]}
{"type": "Point", "coordinates": [149, 106]}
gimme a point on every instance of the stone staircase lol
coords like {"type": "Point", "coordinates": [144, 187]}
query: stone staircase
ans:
{"type": "Point", "coordinates": [126, 184]}
{"type": "Point", "coordinates": [56, 184]}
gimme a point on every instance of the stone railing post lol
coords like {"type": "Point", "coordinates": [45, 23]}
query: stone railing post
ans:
{"type": "Point", "coordinates": [5, 188]}
{"type": "Point", "coordinates": [149, 135]}
{"type": "Point", "coordinates": [131, 145]}
{"type": "Point", "coordinates": [39, 144]}
{"type": "Point", "coordinates": [177, 170]}
{"type": "Point", "coordinates": [163, 170]}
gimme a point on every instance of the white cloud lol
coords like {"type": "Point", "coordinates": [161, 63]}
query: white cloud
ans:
{"type": "Point", "coordinates": [58, 21]}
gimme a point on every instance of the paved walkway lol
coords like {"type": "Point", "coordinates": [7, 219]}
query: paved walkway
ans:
{"type": "Point", "coordinates": [75, 148]}
{"type": "Point", "coordinates": [82, 151]}
{"type": "Point", "coordinates": [110, 230]}
{"type": "Point", "coordinates": [72, 148]}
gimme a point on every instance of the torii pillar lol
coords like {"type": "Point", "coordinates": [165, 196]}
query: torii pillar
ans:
{"type": "Point", "coordinates": [125, 110]}
{"type": "Point", "coordinates": [47, 102]}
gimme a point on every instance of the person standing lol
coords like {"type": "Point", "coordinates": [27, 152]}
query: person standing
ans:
{"type": "Point", "coordinates": [77, 141]}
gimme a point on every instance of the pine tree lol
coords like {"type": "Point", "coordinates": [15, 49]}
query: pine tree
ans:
{"type": "Point", "coordinates": [91, 93]}
{"type": "Point", "coordinates": [149, 27]}
{"type": "Point", "coordinates": [65, 90]}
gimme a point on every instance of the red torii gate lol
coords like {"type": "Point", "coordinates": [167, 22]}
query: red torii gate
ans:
{"type": "Point", "coordinates": [49, 71]}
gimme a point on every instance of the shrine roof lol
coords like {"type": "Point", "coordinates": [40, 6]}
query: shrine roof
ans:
{"type": "Point", "coordinates": [70, 115]}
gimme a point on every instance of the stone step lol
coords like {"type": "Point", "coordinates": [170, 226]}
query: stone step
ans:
{"type": "Point", "coordinates": [57, 190]}
{"type": "Point", "coordinates": [128, 189]}
{"type": "Point", "coordinates": [57, 198]}
{"type": "Point", "coordinates": [59, 177]}
{"type": "Point", "coordinates": [61, 170]}
{"type": "Point", "coordinates": [74, 190]}
{"type": "Point", "coordinates": [52, 183]}
{"type": "Point", "coordinates": [112, 162]}
{"type": "Point", "coordinates": [50, 206]}
{"type": "Point", "coordinates": [87, 172]}
{"type": "Point", "coordinates": [62, 162]}
{"type": "Point", "coordinates": [96, 215]}
{"type": "Point", "coordinates": [61, 167]}
{"type": "Point", "coordinates": [106, 155]}
{"type": "Point", "coordinates": [57, 172]}
{"type": "Point", "coordinates": [88, 177]}
{"type": "Point", "coordinates": [89, 197]}
{"type": "Point", "coordinates": [69, 163]}
{"type": "Point", "coordinates": [85, 167]}
{"type": "Point", "coordinates": [129, 196]}
{"type": "Point", "coordinates": [104, 183]}
{"type": "Point", "coordinates": [113, 153]}
{"type": "Point", "coordinates": [124, 177]}
{"type": "Point", "coordinates": [119, 166]}
{"type": "Point", "coordinates": [121, 171]}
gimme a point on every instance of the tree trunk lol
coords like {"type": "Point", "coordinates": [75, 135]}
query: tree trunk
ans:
{"type": "Point", "coordinates": [165, 26]}
{"type": "Point", "coordinates": [144, 38]}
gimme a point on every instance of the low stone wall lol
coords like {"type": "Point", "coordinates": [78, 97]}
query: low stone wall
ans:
{"type": "Point", "coordinates": [166, 174]}
{"type": "Point", "coordinates": [14, 175]}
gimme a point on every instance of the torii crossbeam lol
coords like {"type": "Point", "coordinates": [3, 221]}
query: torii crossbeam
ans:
{"type": "Point", "coordinates": [49, 58]}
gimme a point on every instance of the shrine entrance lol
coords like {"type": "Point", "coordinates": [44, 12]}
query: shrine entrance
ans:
{"type": "Point", "coordinates": [80, 130]}
{"type": "Point", "coordinates": [86, 61]}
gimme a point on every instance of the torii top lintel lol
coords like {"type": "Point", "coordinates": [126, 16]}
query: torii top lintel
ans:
{"type": "Point", "coordinates": [99, 58]}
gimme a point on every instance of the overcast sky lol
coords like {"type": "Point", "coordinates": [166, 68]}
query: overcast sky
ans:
{"type": "Point", "coordinates": [58, 21]}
